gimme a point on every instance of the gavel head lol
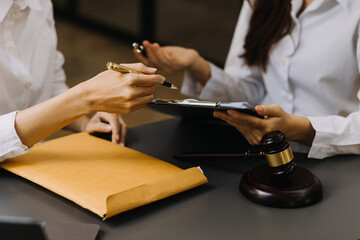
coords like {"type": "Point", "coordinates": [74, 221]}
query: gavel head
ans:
{"type": "Point", "coordinates": [278, 153]}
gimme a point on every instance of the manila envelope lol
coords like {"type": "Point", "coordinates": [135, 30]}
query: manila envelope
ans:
{"type": "Point", "coordinates": [101, 176]}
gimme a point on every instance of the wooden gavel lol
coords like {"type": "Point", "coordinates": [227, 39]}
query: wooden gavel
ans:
{"type": "Point", "coordinates": [280, 182]}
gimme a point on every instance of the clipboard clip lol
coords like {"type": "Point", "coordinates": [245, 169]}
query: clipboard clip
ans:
{"type": "Point", "coordinates": [191, 102]}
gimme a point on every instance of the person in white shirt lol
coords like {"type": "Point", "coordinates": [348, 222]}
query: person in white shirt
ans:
{"type": "Point", "coordinates": [297, 60]}
{"type": "Point", "coordinates": [34, 99]}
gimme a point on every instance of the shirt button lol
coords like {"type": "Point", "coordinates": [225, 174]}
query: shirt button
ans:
{"type": "Point", "coordinates": [28, 85]}
{"type": "Point", "coordinates": [12, 50]}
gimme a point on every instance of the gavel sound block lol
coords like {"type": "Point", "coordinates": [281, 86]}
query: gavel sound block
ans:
{"type": "Point", "coordinates": [280, 183]}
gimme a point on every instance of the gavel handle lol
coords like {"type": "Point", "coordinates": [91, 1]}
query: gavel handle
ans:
{"type": "Point", "coordinates": [194, 155]}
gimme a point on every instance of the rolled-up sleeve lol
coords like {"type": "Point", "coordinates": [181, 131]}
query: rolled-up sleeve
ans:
{"type": "Point", "coordinates": [59, 81]}
{"type": "Point", "coordinates": [10, 143]}
{"type": "Point", "coordinates": [237, 82]}
{"type": "Point", "coordinates": [336, 134]}
{"type": "Point", "coordinates": [194, 89]}
{"type": "Point", "coordinates": [59, 77]}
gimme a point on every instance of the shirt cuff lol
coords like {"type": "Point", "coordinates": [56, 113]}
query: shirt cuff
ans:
{"type": "Point", "coordinates": [193, 88]}
{"type": "Point", "coordinates": [332, 137]}
{"type": "Point", "coordinates": [10, 143]}
{"type": "Point", "coordinates": [215, 88]}
{"type": "Point", "coordinates": [190, 86]}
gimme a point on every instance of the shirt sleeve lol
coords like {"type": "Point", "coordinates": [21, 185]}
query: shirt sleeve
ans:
{"type": "Point", "coordinates": [237, 82]}
{"type": "Point", "coordinates": [58, 78]}
{"type": "Point", "coordinates": [10, 143]}
{"type": "Point", "coordinates": [336, 134]}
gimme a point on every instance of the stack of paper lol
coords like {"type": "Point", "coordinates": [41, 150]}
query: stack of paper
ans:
{"type": "Point", "coordinates": [101, 176]}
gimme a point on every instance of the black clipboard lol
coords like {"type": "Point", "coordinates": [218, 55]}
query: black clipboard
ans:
{"type": "Point", "coordinates": [197, 109]}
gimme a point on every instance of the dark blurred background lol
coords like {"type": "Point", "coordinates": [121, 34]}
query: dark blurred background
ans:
{"type": "Point", "coordinates": [90, 33]}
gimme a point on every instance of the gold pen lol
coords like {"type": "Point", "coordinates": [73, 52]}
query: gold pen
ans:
{"type": "Point", "coordinates": [123, 69]}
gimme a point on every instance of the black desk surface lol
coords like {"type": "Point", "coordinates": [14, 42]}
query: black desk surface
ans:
{"type": "Point", "coordinates": [213, 211]}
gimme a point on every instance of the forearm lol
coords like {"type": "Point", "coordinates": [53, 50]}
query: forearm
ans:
{"type": "Point", "coordinates": [300, 130]}
{"type": "Point", "coordinates": [109, 91]}
{"type": "Point", "coordinates": [200, 70]}
{"type": "Point", "coordinates": [37, 122]}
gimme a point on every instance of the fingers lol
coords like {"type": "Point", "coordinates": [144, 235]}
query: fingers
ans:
{"type": "Point", "coordinates": [123, 131]}
{"type": "Point", "coordinates": [253, 128]}
{"type": "Point", "coordinates": [99, 126]}
{"type": "Point", "coordinates": [107, 122]}
{"type": "Point", "coordinates": [252, 135]}
{"type": "Point", "coordinates": [112, 119]}
{"type": "Point", "coordinates": [144, 80]}
{"type": "Point", "coordinates": [141, 58]}
{"type": "Point", "coordinates": [272, 110]}
{"type": "Point", "coordinates": [151, 51]}
{"type": "Point", "coordinates": [115, 92]}
{"type": "Point", "coordinates": [233, 115]}
{"type": "Point", "coordinates": [140, 67]}
{"type": "Point", "coordinates": [157, 56]}
{"type": "Point", "coordinates": [127, 86]}
{"type": "Point", "coordinates": [167, 58]}
{"type": "Point", "coordinates": [119, 129]}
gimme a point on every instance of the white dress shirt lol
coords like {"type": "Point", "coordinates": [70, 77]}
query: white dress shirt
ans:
{"type": "Point", "coordinates": [30, 66]}
{"type": "Point", "coordinates": [312, 72]}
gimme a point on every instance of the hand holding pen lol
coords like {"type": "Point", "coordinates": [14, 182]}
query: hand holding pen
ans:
{"type": "Point", "coordinates": [165, 58]}
{"type": "Point", "coordinates": [124, 69]}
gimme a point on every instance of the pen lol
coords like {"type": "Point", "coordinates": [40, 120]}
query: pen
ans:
{"type": "Point", "coordinates": [139, 48]}
{"type": "Point", "coordinates": [123, 69]}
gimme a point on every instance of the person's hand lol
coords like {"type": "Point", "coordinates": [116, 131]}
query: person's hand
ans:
{"type": "Point", "coordinates": [107, 122]}
{"type": "Point", "coordinates": [275, 118]}
{"type": "Point", "coordinates": [115, 92]}
{"type": "Point", "coordinates": [168, 58]}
